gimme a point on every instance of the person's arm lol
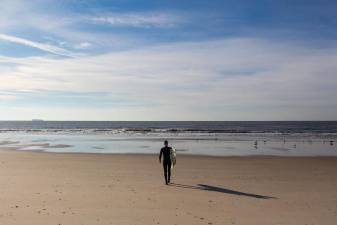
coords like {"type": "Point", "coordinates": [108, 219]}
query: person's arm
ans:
{"type": "Point", "coordinates": [161, 152]}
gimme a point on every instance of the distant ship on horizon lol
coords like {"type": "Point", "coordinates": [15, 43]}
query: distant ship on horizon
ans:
{"type": "Point", "coordinates": [37, 120]}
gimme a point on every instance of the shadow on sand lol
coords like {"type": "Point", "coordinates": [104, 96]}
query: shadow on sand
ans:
{"type": "Point", "coordinates": [205, 187]}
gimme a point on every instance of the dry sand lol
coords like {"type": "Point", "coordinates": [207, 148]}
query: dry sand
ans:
{"type": "Point", "coordinates": [70, 189]}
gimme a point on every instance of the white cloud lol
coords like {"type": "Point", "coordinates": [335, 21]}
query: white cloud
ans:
{"type": "Point", "coordinates": [238, 79]}
{"type": "Point", "coordinates": [217, 80]}
{"type": "Point", "coordinates": [83, 45]}
{"type": "Point", "coordinates": [70, 30]}
{"type": "Point", "coordinates": [64, 31]}
{"type": "Point", "coordinates": [7, 97]}
{"type": "Point", "coordinates": [42, 46]}
{"type": "Point", "coordinates": [153, 19]}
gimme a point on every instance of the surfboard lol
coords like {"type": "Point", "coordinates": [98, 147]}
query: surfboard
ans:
{"type": "Point", "coordinates": [173, 156]}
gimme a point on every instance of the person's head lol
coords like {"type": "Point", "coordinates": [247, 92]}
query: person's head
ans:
{"type": "Point", "coordinates": [166, 143]}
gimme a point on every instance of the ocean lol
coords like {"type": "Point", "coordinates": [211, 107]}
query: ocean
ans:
{"type": "Point", "coordinates": [216, 138]}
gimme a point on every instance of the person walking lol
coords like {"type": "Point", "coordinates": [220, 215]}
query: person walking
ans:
{"type": "Point", "coordinates": [166, 153]}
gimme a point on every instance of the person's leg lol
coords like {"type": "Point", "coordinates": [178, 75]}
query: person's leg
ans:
{"type": "Point", "coordinates": [165, 171]}
{"type": "Point", "coordinates": [169, 171]}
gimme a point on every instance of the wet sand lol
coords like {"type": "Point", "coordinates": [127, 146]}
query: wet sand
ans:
{"type": "Point", "coordinates": [86, 189]}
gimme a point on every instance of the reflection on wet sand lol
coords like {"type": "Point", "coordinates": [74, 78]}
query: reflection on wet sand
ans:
{"type": "Point", "coordinates": [220, 145]}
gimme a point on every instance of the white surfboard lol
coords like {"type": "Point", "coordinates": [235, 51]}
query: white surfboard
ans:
{"type": "Point", "coordinates": [173, 156]}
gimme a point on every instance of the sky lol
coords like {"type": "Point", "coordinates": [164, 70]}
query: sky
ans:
{"type": "Point", "coordinates": [168, 60]}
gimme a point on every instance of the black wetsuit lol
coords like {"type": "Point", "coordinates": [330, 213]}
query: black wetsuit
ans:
{"type": "Point", "coordinates": [166, 152]}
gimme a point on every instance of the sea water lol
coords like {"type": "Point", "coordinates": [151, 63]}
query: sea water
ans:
{"type": "Point", "coordinates": [217, 138]}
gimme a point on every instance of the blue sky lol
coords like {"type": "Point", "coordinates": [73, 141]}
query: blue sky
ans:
{"type": "Point", "coordinates": [168, 60]}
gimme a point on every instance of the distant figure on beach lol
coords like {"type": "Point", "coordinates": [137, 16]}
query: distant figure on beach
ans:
{"type": "Point", "coordinates": [255, 144]}
{"type": "Point", "coordinates": [166, 152]}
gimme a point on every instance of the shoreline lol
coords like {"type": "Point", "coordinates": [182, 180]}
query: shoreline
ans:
{"type": "Point", "coordinates": [209, 146]}
{"type": "Point", "coordinates": [178, 155]}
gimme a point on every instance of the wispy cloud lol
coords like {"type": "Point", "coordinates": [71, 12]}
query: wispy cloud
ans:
{"type": "Point", "coordinates": [7, 97]}
{"type": "Point", "coordinates": [83, 45]}
{"type": "Point", "coordinates": [188, 79]}
{"type": "Point", "coordinates": [42, 46]}
{"type": "Point", "coordinates": [144, 20]}
{"type": "Point", "coordinates": [254, 70]}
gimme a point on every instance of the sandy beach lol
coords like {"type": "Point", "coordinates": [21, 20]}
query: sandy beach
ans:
{"type": "Point", "coordinates": [86, 189]}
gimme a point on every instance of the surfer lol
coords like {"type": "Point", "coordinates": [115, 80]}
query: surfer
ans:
{"type": "Point", "coordinates": [166, 152]}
